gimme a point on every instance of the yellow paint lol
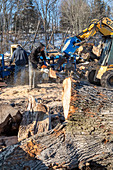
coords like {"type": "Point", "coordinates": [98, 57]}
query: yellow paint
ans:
{"type": "Point", "coordinates": [101, 71]}
{"type": "Point", "coordinates": [105, 26]}
{"type": "Point", "coordinates": [13, 47]}
{"type": "Point", "coordinates": [110, 67]}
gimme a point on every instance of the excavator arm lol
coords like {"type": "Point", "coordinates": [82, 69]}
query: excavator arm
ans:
{"type": "Point", "coordinates": [104, 26]}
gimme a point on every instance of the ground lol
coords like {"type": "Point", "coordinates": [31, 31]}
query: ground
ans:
{"type": "Point", "coordinates": [86, 138]}
{"type": "Point", "coordinates": [46, 93]}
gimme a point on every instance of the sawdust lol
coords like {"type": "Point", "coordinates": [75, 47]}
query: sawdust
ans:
{"type": "Point", "coordinates": [47, 93]}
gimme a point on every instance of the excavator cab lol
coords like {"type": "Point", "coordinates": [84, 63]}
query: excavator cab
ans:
{"type": "Point", "coordinates": [103, 74]}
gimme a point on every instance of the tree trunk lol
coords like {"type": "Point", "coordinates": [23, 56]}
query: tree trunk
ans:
{"type": "Point", "coordinates": [85, 139]}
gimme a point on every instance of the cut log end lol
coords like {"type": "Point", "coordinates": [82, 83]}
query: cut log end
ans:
{"type": "Point", "coordinates": [66, 96]}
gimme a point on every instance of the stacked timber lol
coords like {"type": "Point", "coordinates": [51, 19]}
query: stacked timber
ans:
{"type": "Point", "coordinates": [84, 140]}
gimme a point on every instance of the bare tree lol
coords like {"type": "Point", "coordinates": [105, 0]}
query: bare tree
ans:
{"type": "Point", "coordinates": [6, 9]}
{"type": "Point", "coordinates": [17, 16]}
{"type": "Point", "coordinates": [74, 13]}
{"type": "Point", "coordinates": [77, 14]}
{"type": "Point", "coordinates": [46, 7]}
{"type": "Point", "coordinates": [22, 16]}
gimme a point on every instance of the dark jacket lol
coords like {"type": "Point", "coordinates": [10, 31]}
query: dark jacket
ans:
{"type": "Point", "coordinates": [35, 55]}
{"type": "Point", "coordinates": [20, 56]}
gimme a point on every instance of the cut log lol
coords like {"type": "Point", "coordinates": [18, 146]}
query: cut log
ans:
{"type": "Point", "coordinates": [52, 73]}
{"type": "Point", "coordinates": [85, 139]}
{"type": "Point", "coordinates": [97, 49]}
{"type": "Point", "coordinates": [66, 96]}
{"type": "Point", "coordinates": [35, 119]}
{"type": "Point", "coordinates": [10, 119]}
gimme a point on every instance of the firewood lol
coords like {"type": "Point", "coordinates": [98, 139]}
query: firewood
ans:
{"type": "Point", "coordinates": [66, 96]}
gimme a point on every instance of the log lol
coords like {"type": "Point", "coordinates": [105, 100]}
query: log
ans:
{"type": "Point", "coordinates": [97, 50]}
{"type": "Point", "coordinates": [35, 119]}
{"type": "Point", "coordinates": [84, 140]}
{"type": "Point", "coordinates": [10, 120]}
{"type": "Point", "coordinates": [66, 97]}
{"type": "Point", "coordinates": [52, 73]}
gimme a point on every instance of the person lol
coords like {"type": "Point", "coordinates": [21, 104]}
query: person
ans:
{"type": "Point", "coordinates": [21, 59]}
{"type": "Point", "coordinates": [34, 59]}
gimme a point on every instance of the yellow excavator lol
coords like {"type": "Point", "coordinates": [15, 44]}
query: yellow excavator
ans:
{"type": "Point", "coordinates": [104, 26]}
{"type": "Point", "coordinates": [103, 73]}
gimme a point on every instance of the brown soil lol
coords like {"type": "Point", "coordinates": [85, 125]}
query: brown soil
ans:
{"type": "Point", "coordinates": [47, 93]}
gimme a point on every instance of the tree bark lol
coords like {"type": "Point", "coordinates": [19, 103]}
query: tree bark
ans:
{"type": "Point", "coordinates": [85, 139]}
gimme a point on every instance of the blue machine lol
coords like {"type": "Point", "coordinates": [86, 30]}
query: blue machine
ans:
{"type": "Point", "coordinates": [69, 47]}
{"type": "Point", "coordinates": [5, 70]}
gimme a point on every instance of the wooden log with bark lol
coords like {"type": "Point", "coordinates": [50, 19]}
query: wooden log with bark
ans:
{"type": "Point", "coordinates": [35, 119]}
{"type": "Point", "coordinates": [10, 120]}
{"type": "Point", "coordinates": [84, 140]}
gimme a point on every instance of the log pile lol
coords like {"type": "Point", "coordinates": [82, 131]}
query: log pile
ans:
{"type": "Point", "coordinates": [84, 140]}
{"type": "Point", "coordinates": [82, 70]}
{"type": "Point", "coordinates": [89, 51]}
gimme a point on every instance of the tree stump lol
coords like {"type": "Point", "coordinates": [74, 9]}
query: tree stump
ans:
{"type": "Point", "coordinates": [35, 120]}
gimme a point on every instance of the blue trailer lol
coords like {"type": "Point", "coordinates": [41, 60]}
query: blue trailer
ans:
{"type": "Point", "coordinates": [5, 70]}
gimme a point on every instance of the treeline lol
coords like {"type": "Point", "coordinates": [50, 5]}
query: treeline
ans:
{"type": "Point", "coordinates": [18, 17]}
{"type": "Point", "coordinates": [77, 14]}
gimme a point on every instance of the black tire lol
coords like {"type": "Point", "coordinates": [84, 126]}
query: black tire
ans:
{"type": "Point", "coordinates": [107, 79]}
{"type": "Point", "coordinates": [91, 76]}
